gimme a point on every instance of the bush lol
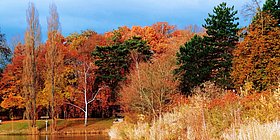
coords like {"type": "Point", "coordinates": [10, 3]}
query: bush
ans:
{"type": "Point", "coordinates": [151, 88]}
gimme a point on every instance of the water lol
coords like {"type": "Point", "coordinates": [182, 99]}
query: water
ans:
{"type": "Point", "coordinates": [54, 137]}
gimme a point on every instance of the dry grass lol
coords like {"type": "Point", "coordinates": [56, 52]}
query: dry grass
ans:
{"type": "Point", "coordinates": [208, 115]}
{"type": "Point", "coordinates": [255, 131]}
{"type": "Point", "coordinates": [184, 122]}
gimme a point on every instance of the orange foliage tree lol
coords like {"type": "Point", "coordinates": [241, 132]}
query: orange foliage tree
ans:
{"type": "Point", "coordinates": [50, 65]}
{"type": "Point", "coordinates": [256, 58]}
{"type": "Point", "coordinates": [155, 35]}
{"type": "Point", "coordinates": [11, 82]}
{"type": "Point", "coordinates": [82, 93]}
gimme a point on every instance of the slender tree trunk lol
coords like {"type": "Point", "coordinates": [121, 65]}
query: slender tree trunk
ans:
{"type": "Point", "coordinates": [86, 114]}
{"type": "Point", "coordinates": [85, 93]}
{"type": "Point", "coordinates": [52, 82]}
{"type": "Point", "coordinates": [33, 87]}
{"type": "Point", "coordinates": [138, 71]}
{"type": "Point", "coordinates": [86, 100]}
{"type": "Point", "coordinates": [53, 29]}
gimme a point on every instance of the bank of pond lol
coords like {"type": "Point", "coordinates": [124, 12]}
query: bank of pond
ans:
{"type": "Point", "coordinates": [55, 137]}
{"type": "Point", "coordinates": [96, 126]}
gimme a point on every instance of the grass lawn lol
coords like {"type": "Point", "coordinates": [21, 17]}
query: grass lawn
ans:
{"type": "Point", "coordinates": [18, 126]}
{"type": "Point", "coordinates": [93, 123]}
{"type": "Point", "coordinates": [22, 127]}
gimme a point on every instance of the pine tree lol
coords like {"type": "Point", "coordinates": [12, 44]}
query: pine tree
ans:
{"type": "Point", "coordinates": [221, 32]}
{"type": "Point", "coordinates": [111, 62]}
{"type": "Point", "coordinates": [209, 58]}
{"type": "Point", "coordinates": [195, 64]}
{"type": "Point", "coordinates": [5, 52]}
{"type": "Point", "coordinates": [115, 61]}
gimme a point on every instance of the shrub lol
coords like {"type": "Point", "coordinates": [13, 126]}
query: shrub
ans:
{"type": "Point", "coordinates": [151, 88]}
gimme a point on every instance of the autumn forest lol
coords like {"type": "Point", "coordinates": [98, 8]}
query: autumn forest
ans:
{"type": "Point", "coordinates": [211, 81]}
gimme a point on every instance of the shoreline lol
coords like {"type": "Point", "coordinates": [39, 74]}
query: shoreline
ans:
{"type": "Point", "coordinates": [64, 127]}
{"type": "Point", "coordinates": [81, 132]}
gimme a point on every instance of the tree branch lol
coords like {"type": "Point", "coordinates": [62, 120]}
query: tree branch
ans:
{"type": "Point", "coordinates": [93, 98]}
{"type": "Point", "coordinates": [76, 106]}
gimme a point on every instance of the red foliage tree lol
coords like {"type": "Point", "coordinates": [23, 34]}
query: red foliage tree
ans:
{"type": "Point", "coordinates": [11, 82]}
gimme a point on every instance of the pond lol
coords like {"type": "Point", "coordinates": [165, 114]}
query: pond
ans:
{"type": "Point", "coordinates": [54, 137]}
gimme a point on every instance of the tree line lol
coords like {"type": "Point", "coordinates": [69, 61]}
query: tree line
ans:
{"type": "Point", "coordinates": [143, 70]}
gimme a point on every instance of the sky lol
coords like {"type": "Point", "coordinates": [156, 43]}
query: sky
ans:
{"type": "Point", "coordinates": [105, 15]}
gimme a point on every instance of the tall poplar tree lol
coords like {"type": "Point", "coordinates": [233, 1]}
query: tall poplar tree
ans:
{"type": "Point", "coordinates": [32, 40]}
{"type": "Point", "coordinates": [52, 54]}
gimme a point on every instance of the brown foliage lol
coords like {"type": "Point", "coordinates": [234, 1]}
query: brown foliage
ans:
{"type": "Point", "coordinates": [257, 59]}
{"type": "Point", "coordinates": [151, 89]}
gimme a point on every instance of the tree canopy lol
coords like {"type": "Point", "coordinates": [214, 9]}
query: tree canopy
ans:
{"type": "Point", "coordinates": [115, 61]}
{"type": "Point", "coordinates": [256, 59]}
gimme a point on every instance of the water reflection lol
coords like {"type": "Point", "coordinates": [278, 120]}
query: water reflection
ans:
{"type": "Point", "coordinates": [54, 137]}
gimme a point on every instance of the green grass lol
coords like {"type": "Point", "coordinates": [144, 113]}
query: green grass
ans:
{"type": "Point", "coordinates": [95, 123]}
{"type": "Point", "coordinates": [14, 127]}
{"type": "Point", "coordinates": [41, 124]}
{"type": "Point", "coordinates": [104, 124]}
{"type": "Point", "coordinates": [22, 126]}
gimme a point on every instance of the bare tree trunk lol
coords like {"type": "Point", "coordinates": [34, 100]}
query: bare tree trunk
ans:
{"type": "Point", "coordinates": [84, 77]}
{"type": "Point", "coordinates": [33, 84]}
{"type": "Point", "coordinates": [52, 81]}
{"type": "Point", "coordinates": [85, 94]}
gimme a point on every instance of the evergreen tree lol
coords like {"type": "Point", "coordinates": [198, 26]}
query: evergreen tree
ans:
{"type": "Point", "coordinates": [195, 64]}
{"type": "Point", "coordinates": [210, 58]}
{"type": "Point", "coordinates": [221, 32]}
{"type": "Point", "coordinates": [112, 63]}
{"type": "Point", "coordinates": [115, 61]}
{"type": "Point", "coordinates": [273, 7]}
{"type": "Point", "coordinates": [5, 52]}
{"type": "Point", "coordinates": [138, 50]}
